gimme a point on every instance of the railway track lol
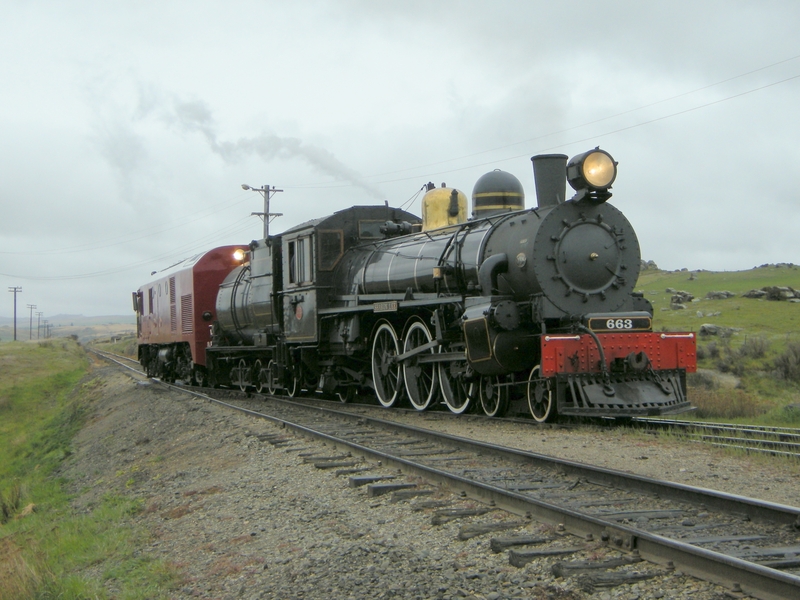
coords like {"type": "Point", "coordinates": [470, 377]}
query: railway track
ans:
{"type": "Point", "coordinates": [745, 544]}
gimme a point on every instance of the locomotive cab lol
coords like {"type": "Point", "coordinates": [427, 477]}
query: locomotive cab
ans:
{"type": "Point", "coordinates": [299, 296]}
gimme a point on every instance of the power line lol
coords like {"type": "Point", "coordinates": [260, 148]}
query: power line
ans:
{"type": "Point", "coordinates": [565, 130]}
{"type": "Point", "coordinates": [182, 252]}
{"type": "Point", "coordinates": [120, 240]}
{"type": "Point", "coordinates": [614, 116]}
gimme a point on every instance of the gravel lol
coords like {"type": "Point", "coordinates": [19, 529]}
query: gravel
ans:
{"type": "Point", "coordinates": [239, 517]}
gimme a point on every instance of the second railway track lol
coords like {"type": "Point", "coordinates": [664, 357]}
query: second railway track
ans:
{"type": "Point", "coordinates": [778, 441]}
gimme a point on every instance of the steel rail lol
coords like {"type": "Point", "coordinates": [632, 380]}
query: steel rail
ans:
{"type": "Point", "coordinates": [779, 441]}
{"type": "Point", "coordinates": [762, 582]}
{"type": "Point", "coordinates": [709, 424]}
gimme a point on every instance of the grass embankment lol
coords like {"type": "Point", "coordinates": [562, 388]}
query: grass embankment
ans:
{"type": "Point", "coordinates": [46, 549]}
{"type": "Point", "coordinates": [126, 345]}
{"type": "Point", "coordinates": [760, 356]}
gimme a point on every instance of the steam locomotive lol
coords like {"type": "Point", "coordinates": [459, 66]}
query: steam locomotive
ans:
{"type": "Point", "coordinates": [531, 310]}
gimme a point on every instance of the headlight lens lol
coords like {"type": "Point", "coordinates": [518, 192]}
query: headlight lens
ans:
{"type": "Point", "coordinates": [238, 255]}
{"type": "Point", "coordinates": [599, 169]}
{"type": "Point", "coordinates": [595, 170]}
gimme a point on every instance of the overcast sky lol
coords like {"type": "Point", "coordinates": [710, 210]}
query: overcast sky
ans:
{"type": "Point", "coordinates": [127, 128]}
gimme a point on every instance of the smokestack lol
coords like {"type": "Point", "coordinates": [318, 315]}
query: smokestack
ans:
{"type": "Point", "coordinates": [550, 175]}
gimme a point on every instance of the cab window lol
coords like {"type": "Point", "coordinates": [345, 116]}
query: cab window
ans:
{"type": "Point", "coordinates": [370, 229]}
{"type": "Point", "coordinates": [331, 248]}
{"type": "Point", "coordinates": [299, 259]}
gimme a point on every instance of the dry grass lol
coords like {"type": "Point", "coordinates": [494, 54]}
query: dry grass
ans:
{"type": "Point", "coordinates": [225, 567]}
{"type": "Point", "coordinates": [18, 577]}
{"type": "Point", "coordinates": [178, 511]}
{"type": "Point", "coordinates": [728, 403]}
{"type": "Point", "coordinates": [242, 539]}
{"type": "Point", "coordinates": [214, 489]}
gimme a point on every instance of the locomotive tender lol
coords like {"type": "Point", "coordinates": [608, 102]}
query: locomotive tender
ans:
{"type": "Point", "coordinates": [526, 308]}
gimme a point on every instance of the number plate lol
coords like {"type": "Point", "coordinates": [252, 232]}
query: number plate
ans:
{"type": "Point", "coordinates": [620, 324]}
{"type": "Point", "coordinates": [382, 307]}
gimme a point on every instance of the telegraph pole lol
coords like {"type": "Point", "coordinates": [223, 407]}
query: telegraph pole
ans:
{"type": "Point", "coordinates": [38, 323]}
{"type": "Point", "coordinates": [15, 290]}
{"type": "Point", "coordinates": [30, 325]}
{"type": "Point", "coordinates": [267, 193]}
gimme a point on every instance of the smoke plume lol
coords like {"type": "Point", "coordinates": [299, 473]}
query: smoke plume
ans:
{"type": "Point", "coordinates": [196, 117]}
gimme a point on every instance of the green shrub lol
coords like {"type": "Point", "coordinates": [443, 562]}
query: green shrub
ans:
{"type": "Point", "coordinates": [701, 380]}
{"type": "Point", "coordinates": [754, 346]}
{"type": "Point", "coordinates": [787, 364]}
{"type": "Point", "coordinates": [733, 363]}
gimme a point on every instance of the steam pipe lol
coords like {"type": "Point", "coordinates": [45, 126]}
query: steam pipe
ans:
{"type": "Point", "coordinates": [487, 274]}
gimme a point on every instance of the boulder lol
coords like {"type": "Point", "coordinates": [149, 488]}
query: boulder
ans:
{"type": "Point", "coordinates": [775, 292]}
{"type": "Point", "coordinates": [724, 295]}
{"type": "Point", "coordinates": [780, 293]}
{"type": "Point", "coordinates": [718, 330]}
{"type": "Point", "coordinates": [680, 297]}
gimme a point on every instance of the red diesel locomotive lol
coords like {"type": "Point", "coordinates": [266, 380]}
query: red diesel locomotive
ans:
{"type": "Point", "coordinates": [174, 314]}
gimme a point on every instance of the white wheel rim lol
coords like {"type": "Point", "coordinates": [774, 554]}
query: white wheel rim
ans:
{"type": "Point", "coordinates": [271, 387]}
{"type": "Point", "coordinates": [385, 345]}
{"type": "Point", "coordinates": [448, 391]}
{"type": "Point", "coordinates": [531, 397]}
{"type": "Point", "coordinates": [420, 398]}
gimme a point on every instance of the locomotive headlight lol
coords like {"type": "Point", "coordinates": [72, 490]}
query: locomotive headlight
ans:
{"type": "Point", "coordinates": [594, 170]}
{"type": "Point", "coordinates": [238, 255]}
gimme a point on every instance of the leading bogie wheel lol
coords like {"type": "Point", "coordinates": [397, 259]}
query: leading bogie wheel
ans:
{"type": "Point", "coordinates": [387, 374]}
{"type": "Point", "coordinates": [456, 390]}
{"type": "Point", "coordinates": [494, 396]}
{"type": "Point", "coordinates": [259, 374]}
{"type": "Point", "coordinates": [540, 398]}
{"type": "Point", "coordinates": [347, 394]}
{"type": "Point", "coordinates": [272, 377]}
{"type": "Point", "coordinates": [243, 379]}
{"type": "Point", "coordinates": [294, 387]}
{"type": "Point", "coordinates": [421, 378]}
